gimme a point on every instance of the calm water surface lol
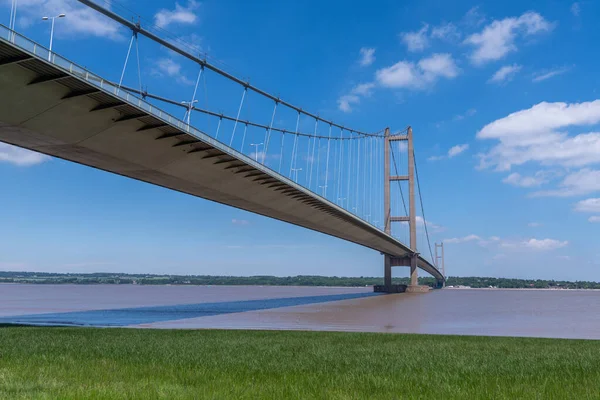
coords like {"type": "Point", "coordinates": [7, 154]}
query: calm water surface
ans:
{"type": "Point", "coordinates": [537, 313]}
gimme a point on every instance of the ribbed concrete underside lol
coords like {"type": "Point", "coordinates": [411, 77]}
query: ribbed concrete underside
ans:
{"type": "Point", "coordinates": [46, 109]}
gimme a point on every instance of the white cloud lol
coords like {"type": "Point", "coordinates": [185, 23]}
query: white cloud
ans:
{"type": "Point", "coordinates": [431, 227]}
{"type": "Point", "coordinates": [436, 158]}
{"type": "Point", "coordinates": [367, 56]}
{"type": "Point", "coordinates": [192, 41]}
{"type": "Point", "coordinates": [402, 146]}
{"type": "Point", "coordinates": [240, 222]}
{"type": "Point", "coordinates": [542, 76]}
{"type": "Point", "coordinates": [400, 75]}
{"type": "Point", "coordinates": [534, 224]}
{"type": "Point", "coordinates": [180, 15]}
{"type": "Point", "coordinates": [453, 152]}
{"type": "Point", "coordinates": [465, 239]}
{"type": "Point", "coordinates": [588, 205]}
{"type": "Point", "coordinates": [346, 101]}
{"type": "Point", "coordinates": [438, 65]}
{"type": "Point", "coordinates": [364, 89]}
{"type": "Point", "coordinates": [474, 17]}
{"type": "Point", "coordinates": [458, 149]}
{"type": "Point", "coordinates": [469, 113]}
{"type": "Point", "coordinates": [170, 68]}
{"type": "Point", "coordinates": [405, 74]}
{"type": "Point", "coordinates": [516, 179]}
{"type": "Point", "coordinates": [505, 73]}
{"type": "Point", "coordinates": [416, 41]}
{"type": "Point", "coordinates": [545, 244]}
{"type": "Point", "coordinates": [79, 20]}
{"type": "Point", "coordinates": [447, 32]}
{"type": "Point", "coordinates": [261, 155]}
{"type": "Point", "coordinates": [594, 219]}
{"type": "Point", "coordinates": [498, 38]}
{"type": "Point", "coordinates": [576, 9]}
{"type": "Point", "coordinates": [537, 135]}
{"type": "Point", "coordinates": [508, 244]}
{"type": "Point", "coordinates": [20, 157]}
{"type": "Point", "coordinates": [582, 182]}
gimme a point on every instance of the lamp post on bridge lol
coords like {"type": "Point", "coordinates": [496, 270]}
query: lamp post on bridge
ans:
{"type": "Point", "coordinates": [190, 107]}
{"type": "Point", "coordinates": [256, 150]}
{"type": "Point", "coordinates": [62, 15]}
{"type": "Point", "coordinates": [13, 15]}
{"type": "Point", "coordinates": [324, 188]}
{"type": "Point", "coordinates": [295, 173]}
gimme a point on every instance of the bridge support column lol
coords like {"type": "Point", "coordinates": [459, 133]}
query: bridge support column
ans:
{"type": "Point", "coordinates": [387, 271]}
{"type": "Point", "coordinates": [414, 277]}
{"type": "Point", "coordinates": [414, 286]}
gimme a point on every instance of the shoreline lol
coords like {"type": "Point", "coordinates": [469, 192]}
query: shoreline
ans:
{"type": "Point", "coordinates": [281, 286]}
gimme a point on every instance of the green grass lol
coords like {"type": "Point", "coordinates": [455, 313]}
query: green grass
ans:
{"type": "Point", "coordinates": [75, 363]}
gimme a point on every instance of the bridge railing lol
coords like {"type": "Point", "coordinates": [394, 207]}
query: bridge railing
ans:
{"type": "Point", "coordinates": [34, 48]}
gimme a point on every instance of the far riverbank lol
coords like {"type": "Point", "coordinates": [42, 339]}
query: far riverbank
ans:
{"type": "Point", "coordinates": [300, 280]}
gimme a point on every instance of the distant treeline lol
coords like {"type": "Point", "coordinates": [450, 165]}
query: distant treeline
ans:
{"type": "Point", "coordinates": [301, 280]}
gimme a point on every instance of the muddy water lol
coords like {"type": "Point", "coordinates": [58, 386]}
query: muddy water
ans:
{"type": "Point", "coordinates": [537, 313]}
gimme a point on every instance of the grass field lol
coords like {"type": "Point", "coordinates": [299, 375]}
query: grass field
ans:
{"type": "Point", "coordinates": [75, 363]}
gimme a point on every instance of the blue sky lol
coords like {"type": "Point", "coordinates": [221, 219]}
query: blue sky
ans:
{"type": "Point", "coordinates": [502, 97]}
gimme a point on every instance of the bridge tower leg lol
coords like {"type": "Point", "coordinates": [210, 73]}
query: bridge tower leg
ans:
{"type": "Point", "coordinates": [412, 259]}
{"type": "Point", "coordinates": [440, 266]}
{"type": "Point", "coordinates": [387, 259]}
{"type": "Point", "coordinates": [412, 209]}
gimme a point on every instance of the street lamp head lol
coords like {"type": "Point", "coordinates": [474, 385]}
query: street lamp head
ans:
{"type": "Point", "coordinates": [61, 15]}
{"type": "Point", "coordinates": [45, 18]}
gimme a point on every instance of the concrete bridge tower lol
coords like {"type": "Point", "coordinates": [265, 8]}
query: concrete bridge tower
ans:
{"type": "Point", "coordinates": [411, 259]}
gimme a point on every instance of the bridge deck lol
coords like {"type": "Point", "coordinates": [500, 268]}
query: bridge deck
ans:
{"type": "Point", "coordinates": [60, 109]}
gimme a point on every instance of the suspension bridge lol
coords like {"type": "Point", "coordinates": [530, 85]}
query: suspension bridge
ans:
{"type": "Point", "coordinates": [294, 165]}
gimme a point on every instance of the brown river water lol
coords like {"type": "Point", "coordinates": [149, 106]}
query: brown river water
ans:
{"type": "Point", "coordinates": [494, 312]}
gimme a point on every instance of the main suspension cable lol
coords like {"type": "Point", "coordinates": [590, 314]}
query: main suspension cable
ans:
{"type": "Point", "coordinates": [171, 46]}
{"type": "Point", "coordinates": [422, 207]}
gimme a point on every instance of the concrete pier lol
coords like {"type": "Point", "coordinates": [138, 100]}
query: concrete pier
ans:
{"type": "Point", "coordinates": [389, 288]}
{"type": "Point", "coordinates": [417, 289]}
